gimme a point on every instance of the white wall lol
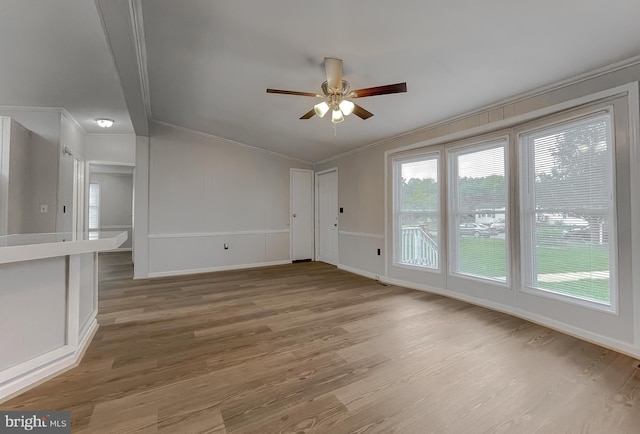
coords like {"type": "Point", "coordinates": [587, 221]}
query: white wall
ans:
{"type": "Point", "coordinates": [116, 201]}
{"type": "Point", "coordinates": [363, 191]}
{"type": "Point", "coordinates": [110, 148]}
{"type": "Point", "coordinates": [140, 243]}
{"type": "Point", "coordinates": [44, 125]}
{"type": "Point", "coordinates": [205, 192]}
{"type": "Point", "coordinates": [361, 186]}
{"type": "Point", "coordinates": [18, 206]}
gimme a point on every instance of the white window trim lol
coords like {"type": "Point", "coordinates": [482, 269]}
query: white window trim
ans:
{"type": "Point", "coordinates": [452, 206]}
{"type": "Point", "coordinates": [526, 203]}
{"type": "Point", "coordinates": [97, 207]}
{"type": "Point", "coordinates": [397, 238]}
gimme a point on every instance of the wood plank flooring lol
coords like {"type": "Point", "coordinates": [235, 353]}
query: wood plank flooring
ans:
{"type": "Point", "coordinates": [307, 348]}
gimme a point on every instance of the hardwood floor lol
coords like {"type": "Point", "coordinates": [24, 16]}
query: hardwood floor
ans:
{"type": "Point", "coordinates": [308, 348]}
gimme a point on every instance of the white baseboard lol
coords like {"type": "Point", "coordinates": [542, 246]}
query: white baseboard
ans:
{"type": "Point", "coordinates": [359, 272]}
{"type": "Point", "coordinates": [214, 269]}
{"type": "Point", "coordinates": [48, 369]}
{"type": "Point", "coordinates": [604, 341]}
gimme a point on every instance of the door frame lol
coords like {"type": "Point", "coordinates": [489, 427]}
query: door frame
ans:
{"type": "Point", "coordinates": [316, 182]}
{"type": "Point", "coordinates": [5, 138]}
{"type": "Point", "coordinates": [87, 181]}
{"type": "Point", "coordinates": [79, 196]}
{"type": "Point", "coordinates": [313, 203]}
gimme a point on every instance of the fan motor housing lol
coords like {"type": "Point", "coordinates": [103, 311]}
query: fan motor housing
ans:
{"type": "Point", "coordinates": [345, 87]}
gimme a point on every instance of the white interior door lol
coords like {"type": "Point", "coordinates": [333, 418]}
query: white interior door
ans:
{"type": "Point", "coordinates": [328, 217]}
{"type": "Point", "coordinates": [301, 214]}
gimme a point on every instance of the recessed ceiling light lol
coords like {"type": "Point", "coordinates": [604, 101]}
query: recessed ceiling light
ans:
{"type": "Point", "coordinates": [104, 123]}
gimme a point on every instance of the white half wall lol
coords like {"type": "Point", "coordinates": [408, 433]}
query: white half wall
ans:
{"type": "Point", "coordinates": [33, 309]}
{"type": "Point", "coordinates": [205, 193]}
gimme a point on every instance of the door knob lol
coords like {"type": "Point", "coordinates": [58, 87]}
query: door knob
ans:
{"type": "Point", "coordinates": [295, 215]}
{"type": "Point", "coordinates": [335, 224]}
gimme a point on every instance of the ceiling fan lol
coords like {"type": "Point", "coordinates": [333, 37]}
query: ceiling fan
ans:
{"type": "Point", "coordinates": [336, 94]}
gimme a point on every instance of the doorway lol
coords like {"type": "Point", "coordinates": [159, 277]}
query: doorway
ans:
{"type": "Point", "coordinates": [110, 200]}
{"type": "Point", "coordinates": [327, 216]}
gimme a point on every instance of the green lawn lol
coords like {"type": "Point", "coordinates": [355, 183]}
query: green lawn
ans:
{"type": "Point", "coordinates": [487, 257]}
{"type": "Point", "coordinates": [572, 258]}
{"type": "Point", "coordinates": [595, 289]}
{"type": "Point", "coordinates": [483, 256]}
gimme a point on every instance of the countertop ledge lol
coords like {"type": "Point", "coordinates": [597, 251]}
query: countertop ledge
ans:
{"type": "Point", "coordinates": [26, 247]}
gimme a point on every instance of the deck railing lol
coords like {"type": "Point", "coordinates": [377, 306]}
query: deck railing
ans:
{"type": "Point", "coordinates": [418, 248]}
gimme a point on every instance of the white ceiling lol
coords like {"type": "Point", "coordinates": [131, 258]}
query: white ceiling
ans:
{"type": "Point", "coordinates": [55, 54]}
{"type": "Point", "coordinates": [209, 62]}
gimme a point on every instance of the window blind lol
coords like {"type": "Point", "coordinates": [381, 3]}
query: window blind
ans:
{"type": "Point", "coordinates": [418, 212]}
{"type": "Point", "coordinates": [94, 206]}
{"type": "Point", "coordinates": [569, 208]}
{"type": "Point", "coordinates": [478, 206]}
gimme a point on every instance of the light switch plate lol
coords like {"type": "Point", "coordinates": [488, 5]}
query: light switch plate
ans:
{"type": "Point", "coordinates": [44, 208]}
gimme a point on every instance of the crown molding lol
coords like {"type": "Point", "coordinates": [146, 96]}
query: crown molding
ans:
{"type": "Point", "coordinates": [73, 120]}
{"type": "Point", "coordinates": [137, 23]}
{"type": "Point", "coordinates": [232, 142]}
{"type": "Point", "coordinates": [112, 135]}
{"type": "Point", "coordinates": [63, 112]}
{"type": "Point", "coordinates": [633, 61]}
{"type": "Point", "coordinates": [31, 109]}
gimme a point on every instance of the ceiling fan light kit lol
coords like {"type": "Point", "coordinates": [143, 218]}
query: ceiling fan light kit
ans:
{"type": "Point", "coordinates": [336, 116]}
{"type": "Point", "coordinates": [321, 108]}
{"type": "Point", "coordinates": [347, 107]}
{"type": "Point", "coordinates": [336, 90]}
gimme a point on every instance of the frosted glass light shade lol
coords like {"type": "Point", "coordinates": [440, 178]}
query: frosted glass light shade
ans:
{"type": "Point", "coordinates": [347, 107]}
{"type": "Point", "coordinates": [104, 123]}
{"type": "Point", "coordinates": [336, 116]}
{"type": "Point", "coordinates": [321, 108]}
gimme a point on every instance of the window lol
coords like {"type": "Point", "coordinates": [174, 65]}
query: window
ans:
{"type": "Point", "coordinates": [478, 200]}
{"type": "Point", "coordinates": [417, 211]}
{"type": "Point", "coordinates": [567, 201]}
{"type": "Point", "coordinates": [94, 206]}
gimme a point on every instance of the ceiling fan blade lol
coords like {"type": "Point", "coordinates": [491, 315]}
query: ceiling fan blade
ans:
{"type": "Point", "coordinates": [292, 92]}
{"type": "Point", "coordinates": [361, 113]}
{"type": "Point", "coordinates": [333, 68]}
{"type": "Point", "coordinates": [379, 90]}
{"type": "Point", "coordinates": [308, 115]}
